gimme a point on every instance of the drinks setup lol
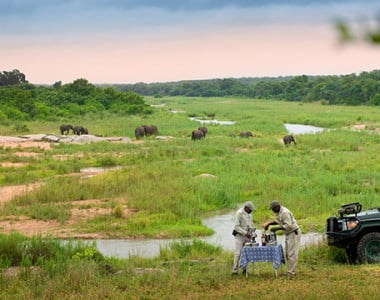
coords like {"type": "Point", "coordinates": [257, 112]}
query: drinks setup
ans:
{"type": "Point", "coordinates": [268, 250]}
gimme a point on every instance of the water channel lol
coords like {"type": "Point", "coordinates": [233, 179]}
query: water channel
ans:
{"type": "Point", "coordinates": [222, 225]}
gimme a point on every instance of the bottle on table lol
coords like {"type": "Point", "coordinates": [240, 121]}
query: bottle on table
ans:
{"type": "Point", "coordinates": [263, 239]}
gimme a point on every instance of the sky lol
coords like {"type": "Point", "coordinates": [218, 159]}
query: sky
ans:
{"type": "Point", "coordinates": [130, 41]}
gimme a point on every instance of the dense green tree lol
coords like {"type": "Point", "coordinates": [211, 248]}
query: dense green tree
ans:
{"type": "Point", "coordinates": [348, 89]}
{"type": "Point", "coordinates": [25, 101]}
{"type": "Point", "coordinates": [12, 77]}
{"type": "Point", "coordinates": [80, 87]}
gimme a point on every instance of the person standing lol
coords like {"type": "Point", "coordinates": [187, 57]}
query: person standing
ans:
{"type": "Point", "coordinates": [243, 232]}
{"type": "Point", "coordinates": [287, 223]}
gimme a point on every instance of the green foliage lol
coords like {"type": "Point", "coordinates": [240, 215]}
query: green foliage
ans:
{"type": "Point", "coordinates": [51, 211]}
{"type": "Point", "coordinates": [20, 250]}
{"type": "Point", "coordinates": [18, 127]}
{"type": "Point", "coordinates": [348, 89]}
{"type": "Point", "coordinates": [164, 183]}
{"type": "Point", "coordinates": [89, 253]}
{"type": "Point", "coordinates": [47, 268]}
{"type": "Point", "coordinates": [79, 98]}
{"type": "Point", "coordinates": [118, 211]}
{"type": "Point", "coordinates": [13, 77]}
{"type": "Point", "coordinates": [316, 254]}
{"type": "Point", "coordinates": [107, 161]}
{"type": "Point", "coordinates": [190, 250]}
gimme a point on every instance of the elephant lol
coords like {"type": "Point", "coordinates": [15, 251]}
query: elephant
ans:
{"type": "Point", "coordinates": [288, 139]}
{"type": "Point", "coordinates": [65, 129]}
{"type": "Point", "coordinates": [139, 132]}
{"type": "Point", "coordinates": [150, 130]}
{"type": "Point", "coordinates": [246, 134]}
{"type": "Point", "coordinates": [197, 135]}
{"type": "Point", "coordinates": [145, 130]}
{"type": "Point", "coordinates": [204, 130]}
{"type": "Point", "coordinates": [79, 130]}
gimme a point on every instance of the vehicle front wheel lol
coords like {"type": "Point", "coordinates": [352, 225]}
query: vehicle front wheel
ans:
{"type": "Point", "coordinates": [369, 248]}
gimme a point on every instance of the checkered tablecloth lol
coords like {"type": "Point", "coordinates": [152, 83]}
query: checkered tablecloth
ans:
{"type": "Point", "coordinates": [253, 254]}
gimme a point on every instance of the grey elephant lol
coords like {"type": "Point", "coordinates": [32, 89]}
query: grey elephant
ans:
{"type": "Point", "coordinates": [150, 130]}
{"type": "Point", "coordinates": [246, 134]}
{"type": "Point", "coordinates": [139, 132]}
{"type": "Point", "coordinates": [79, 130]}
{"type": "Point", "coordinates": [65, 129]}
{"type": "Point", "coordinates": [197, 135]}
{"type": "Point", "coordinates": [288, 139]}
{"type": "Point", "coordinates": [204, 130]}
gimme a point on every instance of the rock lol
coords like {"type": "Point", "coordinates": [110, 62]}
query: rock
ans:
{"type": "Point", "coordinates": [34, 137]}
{"type": "Point", "coordinates": [11, 139]}
{"type": "Point", "coordinates": [205, 175]}
{"type": "Point", "coordinates": [164, 137]}
{"type": "Point", "coordinates": [51, 138]}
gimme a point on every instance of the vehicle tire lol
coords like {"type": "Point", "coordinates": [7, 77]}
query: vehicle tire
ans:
{"type": "Point", "coordinates": [369, 248]}
{"type": "Point", "coordinates": [352, 254]}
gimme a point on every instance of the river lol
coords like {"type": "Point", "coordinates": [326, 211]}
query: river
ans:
{"type": "Point", "coordinates": [222, 224]}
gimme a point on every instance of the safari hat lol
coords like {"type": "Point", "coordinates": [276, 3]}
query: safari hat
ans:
{"type": "Point", "coordinates": [273, 204]}
{"type": "Point", "coordinates": [249, 204]}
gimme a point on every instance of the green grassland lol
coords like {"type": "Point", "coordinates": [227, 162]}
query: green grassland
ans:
{"type": "Point", "coordinates": [187, 270]}
{"type": "Point", "coordinates": [159, 179]}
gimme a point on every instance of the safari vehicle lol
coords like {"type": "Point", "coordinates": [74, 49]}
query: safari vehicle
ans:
{"type": "Point", "coordinates": [357, 231]}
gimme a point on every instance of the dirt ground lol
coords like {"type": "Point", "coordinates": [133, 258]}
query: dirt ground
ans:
{"type": "Point", "coordinates": [31, 227]}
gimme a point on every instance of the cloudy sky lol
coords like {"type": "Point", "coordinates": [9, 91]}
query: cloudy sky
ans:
{"type": "Point", "coordinates": [128, 41]}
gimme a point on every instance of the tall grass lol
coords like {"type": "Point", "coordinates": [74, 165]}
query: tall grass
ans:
{"type": "Point", "coordinates": [16, 250]}
{"type": "Point", "coordinates": [194, 270]}
{"type": "Point", "coordinates": [161, 179]}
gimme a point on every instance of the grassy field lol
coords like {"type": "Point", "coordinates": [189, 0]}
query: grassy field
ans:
{"type": "Point", "coordinates": [196, 270]}
{"type": "Point", "coordinates": [159, 180]}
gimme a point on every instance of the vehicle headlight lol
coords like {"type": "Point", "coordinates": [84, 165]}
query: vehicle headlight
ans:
{"type": "Point", "coordinates": [352, 224]}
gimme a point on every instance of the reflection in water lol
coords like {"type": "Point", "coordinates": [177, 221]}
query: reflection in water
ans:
{"type": "Point", "coordinates": [212, 121]}
{"type": "Point", "coordinates": [221, 224]}
{"type": "Point", "coordinates": [125, 248]}
{"type": "Point", "coordinates": [302, 129]}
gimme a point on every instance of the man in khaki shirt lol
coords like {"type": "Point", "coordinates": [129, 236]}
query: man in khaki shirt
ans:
{"type": "Point", "coordinates": [287, 223]}
{"type": "Point", "coordinates": [243, 232]}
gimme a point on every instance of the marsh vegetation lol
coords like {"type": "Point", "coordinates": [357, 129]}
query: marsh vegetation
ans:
{"type": "Point", "coordinates": [157, 192]}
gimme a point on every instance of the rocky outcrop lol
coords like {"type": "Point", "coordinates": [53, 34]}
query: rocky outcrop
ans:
{"type": "Point", "coordinates": [51, 138]}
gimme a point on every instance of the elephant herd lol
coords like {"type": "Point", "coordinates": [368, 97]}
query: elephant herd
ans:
{"type": "Point", "coordinates": [145, 130]}
{"type": "Point", "coordinates": [199, 133]}
{"type": "Point", "coordinates": [77, 130]}
{"type": "Point", "coordinates": [148, 130]}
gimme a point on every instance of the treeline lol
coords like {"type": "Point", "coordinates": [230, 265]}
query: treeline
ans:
{"type": "Point", "coordinates": [20, 100]}
{"type": "Point", "coordinates": [352, 89]}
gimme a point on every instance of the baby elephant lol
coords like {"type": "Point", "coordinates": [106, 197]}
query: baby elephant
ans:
{"type": "Point", "coordinates": [150, 130]}
{"type": "Point", "coordinates": [65, 129]}
{"type": "Point", "coordinates": [204, 130]}
{"type": "Point", "coordinates": [79, 130]}
{"type": "Point", "coordinates": [288, 139]}
{"type": "Point", "coordinates": [246, 134]}
{"type": "Point", "coordinates": [197, 135]}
